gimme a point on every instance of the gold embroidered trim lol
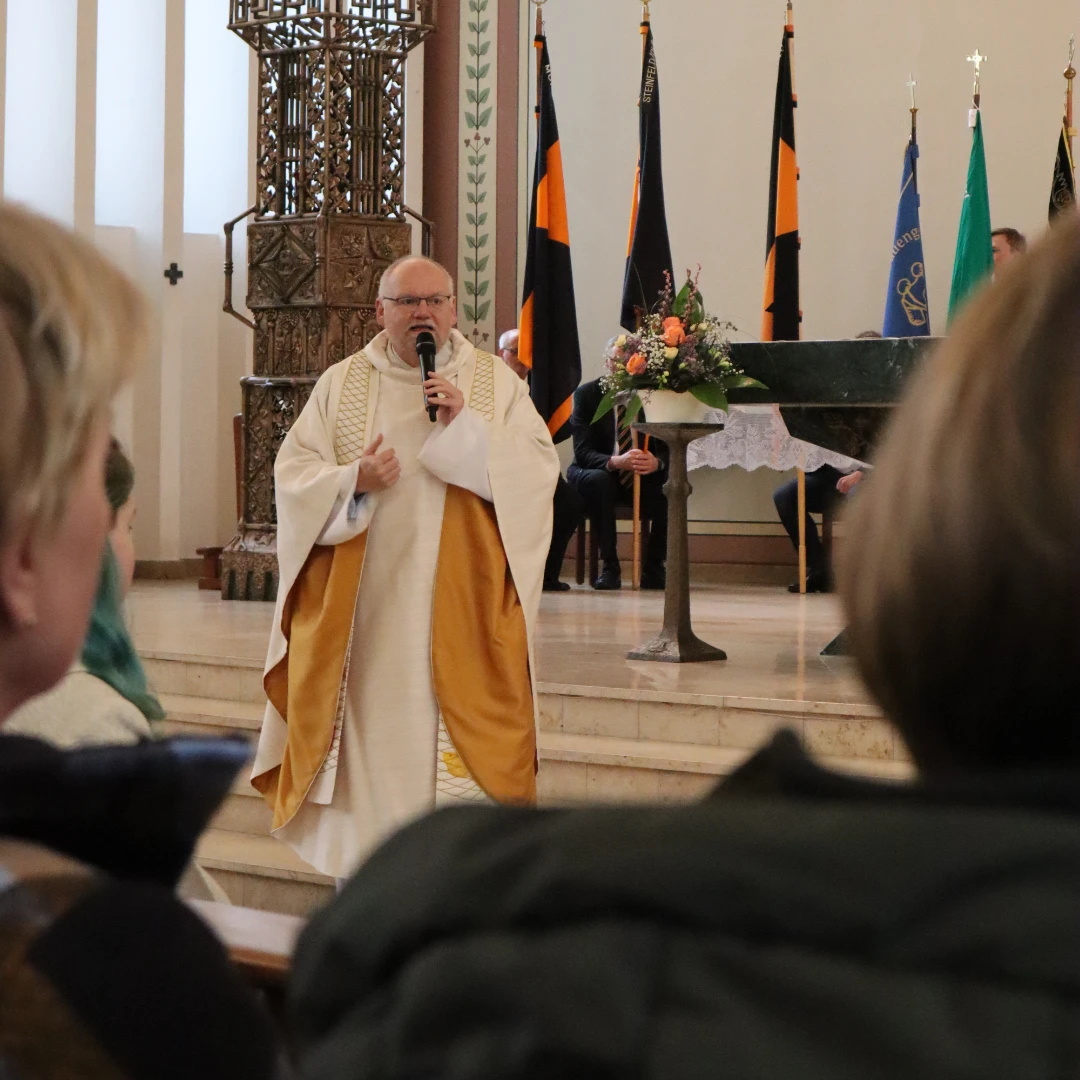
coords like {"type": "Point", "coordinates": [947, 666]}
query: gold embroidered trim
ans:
{"type": "Point", "coordinates": [352, 411]}
{"type": "Point", "coordinates": [482, 398]}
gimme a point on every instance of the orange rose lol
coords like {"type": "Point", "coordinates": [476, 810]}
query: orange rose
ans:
{"type": "Point", "coordinates": [636, 364]}
{"type": "Point", "coordinates": [674, 334]}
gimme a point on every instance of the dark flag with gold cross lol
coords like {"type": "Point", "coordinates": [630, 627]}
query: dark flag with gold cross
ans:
{"type": "Point", "coordinates": [782, 317]}
{"type": "Point", "coordinates": [548, 343]}
{"type": "Point", "coordinates": [648, 254]}
{"type": "Point", "coordinates": [1063, 190]}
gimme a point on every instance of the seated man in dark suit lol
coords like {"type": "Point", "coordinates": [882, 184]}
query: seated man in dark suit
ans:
{"type": "Point", "coordinates": [822, 488]}
{"type": "Point", "coordinates": [603, 473]}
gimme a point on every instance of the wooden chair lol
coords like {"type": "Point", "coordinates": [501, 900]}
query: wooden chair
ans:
{"type": "Point", "coordinates": [622, 513]}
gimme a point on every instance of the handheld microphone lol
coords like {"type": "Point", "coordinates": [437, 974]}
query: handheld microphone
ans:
{"type": "Point", "coordinates": [425, 349]}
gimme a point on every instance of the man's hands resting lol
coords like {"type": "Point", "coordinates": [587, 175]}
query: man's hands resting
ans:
{"type": "Point", "coordinates": [635, 461]}
{"type": "Point", "coordinates": [846, 483]}
{"type": "Point", "coordinates": [379, 470]}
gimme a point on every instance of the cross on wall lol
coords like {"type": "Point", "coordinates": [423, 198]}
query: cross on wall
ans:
{"type": "Point", "coordinates": [174, 273]}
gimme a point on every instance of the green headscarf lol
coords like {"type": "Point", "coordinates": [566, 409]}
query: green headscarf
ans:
{"type": "Point", "coordinates": [108, 651]}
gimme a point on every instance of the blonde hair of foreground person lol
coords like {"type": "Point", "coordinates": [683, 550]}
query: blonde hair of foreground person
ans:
{"type": "Point", "coordinates": [961, 577]}
{"type": "Point", "coordinates": [72, 328]}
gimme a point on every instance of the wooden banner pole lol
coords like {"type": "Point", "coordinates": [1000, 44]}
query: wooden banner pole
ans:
{"type": "Point", "coordinates": [637, 525]}
{"type": "Point", "coordinates": [802, 532]}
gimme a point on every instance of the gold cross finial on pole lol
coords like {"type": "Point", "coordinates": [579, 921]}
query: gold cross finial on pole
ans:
{"type": "Point", "coordinates": [978, 60]}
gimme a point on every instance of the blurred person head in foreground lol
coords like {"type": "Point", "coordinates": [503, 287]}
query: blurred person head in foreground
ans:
{"type": "Point", "coordinates": [106, 973]}
{"type": "Point", "coordinates": [962, 573]}
{"type": "Point", "coordinates": [103, 700]}
{"type": "Point", "coordinates": [71, 330]}
{"type": "Point", "coordinates": [800, 921]}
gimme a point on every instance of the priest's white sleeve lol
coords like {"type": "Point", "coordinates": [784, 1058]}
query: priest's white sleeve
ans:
{"type": "Point", "coordinates": [351, 514]}
{"type": "Point", "coordinates": [458, 453]}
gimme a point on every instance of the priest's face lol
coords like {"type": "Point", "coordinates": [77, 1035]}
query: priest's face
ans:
{"type": "Point", "coordinates": [403, 318]}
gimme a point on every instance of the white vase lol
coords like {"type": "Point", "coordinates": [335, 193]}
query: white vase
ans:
{"type": "Point", "coordinates": [669, 407]}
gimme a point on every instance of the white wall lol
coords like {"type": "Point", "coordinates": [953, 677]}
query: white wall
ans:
{"type": "Point", "coordinates": [217, 348]}
{"type": "Point", "coordinates": [717, 63]}
{"type": "Point", "coordinates": [39, 107]}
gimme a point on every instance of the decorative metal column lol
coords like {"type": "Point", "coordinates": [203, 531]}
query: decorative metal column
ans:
{"type": "Point", "coordinates": [330, 218]}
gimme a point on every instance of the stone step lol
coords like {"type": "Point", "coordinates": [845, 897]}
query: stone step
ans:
{"type": "Point", "coordinates": [261, 872]}
{"type": "Point", "coordinates": [595, 769]}
{"type": "Point", "coordinates": [225, 678]}
{"type": "Point", "coordinates": [611, 748]}
{"type": "Point", "coordinates": [829, 729]}
{"type": "Point", "coordinates": [215, 715]}
{"type": "Point", "coordinates": [587, 767]}
{"type": "Point", "coordinates": [244, 811]}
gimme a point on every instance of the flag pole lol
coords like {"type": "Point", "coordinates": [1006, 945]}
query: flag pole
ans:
{"type": "Point", "coordinates": [789, 22]}
{"type": "Point", "coordinates": [539, 58]}
{"type": "Point", "coordinates": [1070, 76]}
{"type": "Point", "coordinates": [802, 532]}
{"type": "Point", "coordinates": [636, 524]}
{"type": "Point", "coordinates": [912, 84]}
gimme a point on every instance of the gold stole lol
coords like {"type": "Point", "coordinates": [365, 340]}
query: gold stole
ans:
{"type": "Point", "coordinates": [479, 646]}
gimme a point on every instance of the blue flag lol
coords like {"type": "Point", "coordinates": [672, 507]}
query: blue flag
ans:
{"type": "Point", "coordinates": [907, 312]}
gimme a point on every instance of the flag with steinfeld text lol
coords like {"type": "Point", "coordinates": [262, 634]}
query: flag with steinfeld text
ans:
{"type": "Point", "coordinates": [782, 317]}
{"type": "Point", "coordinates": [648, 255]}
{"type": "Point", "coordinates": [548, 343]}
{"type": "Point", "coordinates": [907, 312]}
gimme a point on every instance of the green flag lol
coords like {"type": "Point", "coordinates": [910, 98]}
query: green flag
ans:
{"type": "Point", "coordinates": [974, 246]}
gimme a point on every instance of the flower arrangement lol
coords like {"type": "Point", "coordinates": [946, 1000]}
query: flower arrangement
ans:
{"type": "Point", "coordinates": [679, 348]}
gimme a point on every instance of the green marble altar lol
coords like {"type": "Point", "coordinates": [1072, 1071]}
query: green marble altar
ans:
{"type": "Point", "coordinates": [835, 394]}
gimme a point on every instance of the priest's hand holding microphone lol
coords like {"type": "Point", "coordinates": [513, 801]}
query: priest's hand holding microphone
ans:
{"type": "Point", "coordinates": [380, 469]}
{"type": "Point", "coordinates": [443, 399]}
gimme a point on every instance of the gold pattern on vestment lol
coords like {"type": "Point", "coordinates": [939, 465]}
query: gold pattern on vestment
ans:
{"type": "Point", "coordinates": [453, 781]}
{"type": "Point", "coordinates": [482, 397]}
{"type": "Point", "coordinates": [349, 432]}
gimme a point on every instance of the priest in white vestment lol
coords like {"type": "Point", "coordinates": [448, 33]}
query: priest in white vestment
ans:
{"type": "Point", "coordinates": [400, 672]}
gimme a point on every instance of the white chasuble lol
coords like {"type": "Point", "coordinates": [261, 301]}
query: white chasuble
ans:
{"type": "Point", "coordinates": [386, 755]}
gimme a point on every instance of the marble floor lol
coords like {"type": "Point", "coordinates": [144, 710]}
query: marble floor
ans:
{"type": "Point", "coordinates": [772, 639]}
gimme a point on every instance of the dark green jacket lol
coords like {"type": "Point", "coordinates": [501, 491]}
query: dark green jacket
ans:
{"type": "Point", "coordinates": [797, 925]}
{"type": "Point", "coordinates": [104, 973]}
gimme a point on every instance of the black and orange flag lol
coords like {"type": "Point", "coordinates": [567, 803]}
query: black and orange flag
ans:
{"type": "Point", "coordinates": [648, 255]}
{"type": "Point", "coordinates": [1063, 189]}
{"type": "Point", "coordinates": [548, 343]}
{"type": "Point", "coordinates": [782, 319]}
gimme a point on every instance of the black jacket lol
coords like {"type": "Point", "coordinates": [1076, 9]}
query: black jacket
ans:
{"type": "Point", "coordinates": [105, 973]}
{"type": "Point", "coordinates": [595, 443]}
{"type": "Point", "coordinates": [797, 925]}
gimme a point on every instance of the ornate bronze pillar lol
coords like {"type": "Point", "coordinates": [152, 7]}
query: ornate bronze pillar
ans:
{"type": "Point", "coordinates": [330, 218]}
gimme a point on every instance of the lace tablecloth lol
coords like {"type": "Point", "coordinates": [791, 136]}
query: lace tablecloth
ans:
{"type": "Point", "coordinates": [756, 437]}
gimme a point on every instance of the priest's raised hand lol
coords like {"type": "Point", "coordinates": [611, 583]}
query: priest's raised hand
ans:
{"type": "Point", "coordinates": [378, 470]}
